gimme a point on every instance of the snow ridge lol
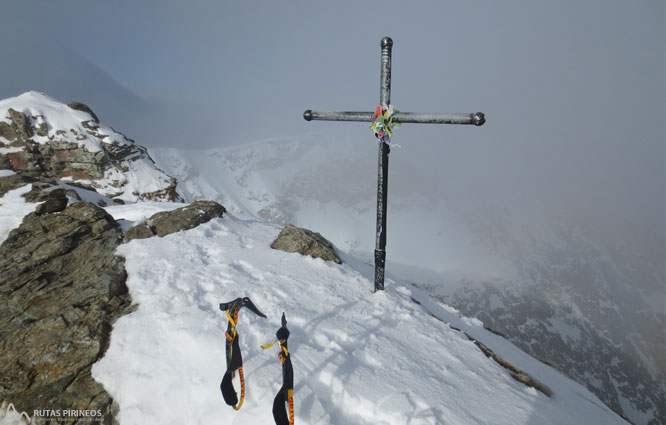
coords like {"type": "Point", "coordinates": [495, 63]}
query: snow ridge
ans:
{"type": "Point", "coordinates": [552, 284]}
{"type": "Point", "coordinates": [359, 357]}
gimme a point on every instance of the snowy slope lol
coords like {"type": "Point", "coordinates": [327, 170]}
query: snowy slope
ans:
{"type": "Point", "coordinates": [591, 305]}
{"type": "Point", "coordinates": [359, 357]}
{"type": "Point", "coordinates": [12, 210]}
{"type": "Point", "coordinates": [330, 185]}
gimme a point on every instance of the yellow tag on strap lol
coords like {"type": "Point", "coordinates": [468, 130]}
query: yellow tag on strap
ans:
{"type": "Point", "coordinates": [269, 345]}
{"type": "Point", "coordinates": [290, 400]}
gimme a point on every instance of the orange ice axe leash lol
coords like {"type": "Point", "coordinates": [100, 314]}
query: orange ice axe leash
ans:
{"type": "Point", "coordinates": [234, 356]}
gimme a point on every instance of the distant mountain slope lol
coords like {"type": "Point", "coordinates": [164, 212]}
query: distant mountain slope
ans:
{"type": "Point", "coordinates": [46, 66]}
{"type": "Point", "coordinates": [590, 307]}
{"type": "Point", "coordinates": [579, 308]}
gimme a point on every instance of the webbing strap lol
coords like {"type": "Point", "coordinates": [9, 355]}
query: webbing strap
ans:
{"type": "Point", "coordinates": [242, 382]}
{"type": "Point", "coordinates": [286, 393]}
{"type": "Point", "coordinates": [233, 351]}
{"type": "Point", "coordinates": [284, 354]}
{"type": "Point", "coordinates": [234, 363]}
{"type": "Point", "coordinates": [232, 322]}
{"type": "Point", "coordinates": [290, 397]}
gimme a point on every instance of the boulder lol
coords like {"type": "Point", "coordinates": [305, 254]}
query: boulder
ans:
{"type": "Point", "coordinates": [140, 231]}
{"type": "Point", "coordinates": [42, 191]}
{"type": "Point", "coordinates": [62, 288]}
{"type": "Point", "coordinates": [52, 205]}
{"type": "Point", "coordinates": [199, 212]}
{"type": "Point", "coordinates": [19, 126]}
{"type": "Point", "coordinates": [15, 181]}
{"type": "Point", "coordinates": [306, 242]}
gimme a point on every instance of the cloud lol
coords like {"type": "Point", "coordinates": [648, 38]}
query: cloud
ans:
{"type": "Point", "coordinates": [574, 93]}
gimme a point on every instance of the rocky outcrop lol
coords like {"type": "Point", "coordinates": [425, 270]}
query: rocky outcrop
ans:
{"type": "Point", "coordinates": [306, 242]}
{"type": "Point", "coordinates": [84, 108]}
{"type": "Point", "coordinates": [42, 138]}
{"type": "Point", "coordinates": [12, 182]}
{"type": "Point", "coordinates": [62, 288]}
{"type": "Point", "coordinates": [167, 222]}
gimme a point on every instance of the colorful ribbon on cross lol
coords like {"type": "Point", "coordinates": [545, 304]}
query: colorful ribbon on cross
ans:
{"type": "Point", "coordinates": [383, 124]}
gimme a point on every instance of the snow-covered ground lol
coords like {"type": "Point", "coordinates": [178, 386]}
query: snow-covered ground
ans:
{"type": "Point", "coordinates": [12, 210]}
{"type": "Point", "coordinates": [359, 357]}
{"type": "Point", "coordinates": [522, 269]}
{"type": "Point", "coordinates": [393, 357]}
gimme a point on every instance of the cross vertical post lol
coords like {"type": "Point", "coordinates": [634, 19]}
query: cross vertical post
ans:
{"type": "Point", "coordinates": [477, 118]}
{"type": "Point", "coordinates": [382, 168]}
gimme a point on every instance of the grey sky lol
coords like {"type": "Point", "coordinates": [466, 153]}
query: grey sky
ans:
{"type": "Point", "coordinates": [574, 91]}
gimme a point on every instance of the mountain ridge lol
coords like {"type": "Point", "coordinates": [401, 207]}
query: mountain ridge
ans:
{"type": "Point", "coordinates": [444, 372]}
{"type": "Point", "coordinates": [41, 137]}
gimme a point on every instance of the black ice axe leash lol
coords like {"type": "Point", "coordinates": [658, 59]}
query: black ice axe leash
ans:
{"type": "Point", "coordinates": [286, 392]}
{"type": "Point", "coordinates": [234, 356]}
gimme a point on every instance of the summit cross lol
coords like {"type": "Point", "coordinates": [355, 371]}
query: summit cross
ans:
{"type": "Point", "coordinates": [477, 119]}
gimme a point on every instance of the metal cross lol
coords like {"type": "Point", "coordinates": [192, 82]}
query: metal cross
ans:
{"type": "Point", "coordinates": [399, 117]}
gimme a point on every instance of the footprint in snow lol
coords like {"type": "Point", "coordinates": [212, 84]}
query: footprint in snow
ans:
{"type": "Point", "coordinates": [247, 268]}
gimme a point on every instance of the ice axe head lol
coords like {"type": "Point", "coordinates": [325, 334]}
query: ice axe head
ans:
{"type": "Point", "coordinates": [236, 305]}
{"type": "Point", "coordinates": [249, 304]}
{"type": "Point", "coordinates": [282, 334]}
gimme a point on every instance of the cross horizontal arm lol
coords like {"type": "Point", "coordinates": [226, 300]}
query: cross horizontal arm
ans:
{"type": "Point", "coordinates": [338, 116]}
{"type": "Point", "coordinates": [476, 118]}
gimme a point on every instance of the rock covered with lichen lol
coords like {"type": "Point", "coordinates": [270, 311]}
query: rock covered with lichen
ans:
{"type": "Point", "coordinates": [42, 138]}
{"type": "Point", "coordinates": [62, 288]}
{"type": "Point", "coordinates": [305, 242]}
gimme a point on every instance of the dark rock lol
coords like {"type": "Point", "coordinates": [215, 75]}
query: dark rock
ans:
{"type": "Point", "coordinates": [7, 131]}
{"type": "Point", "coordinates": [73, 194]}
{"type": "Point", "coordinates": [516, 373]}
{"type": "Point", "coordinates": [84, 108]}
{"type": "Point", "coordinates": [167, 222]}
{"type": "Point", "coordinates": [20, 125]}
{"type": "Point", "coordinates": [62, 288]}
{"type": "Point", "coordinates": [42, 191]}
{"type": "Point", "coordinates": [306, 242]}
{"type": "Point", "coordinates": [140, 231]}
{"type": "Point", "coordinates": [14, 182]}
{"type": "Point", "coordinates": [199, 212]}
{"type": "Point", "coordinates": [51, 206]}
{"type": "Point", "coordinates": [169, 193]}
